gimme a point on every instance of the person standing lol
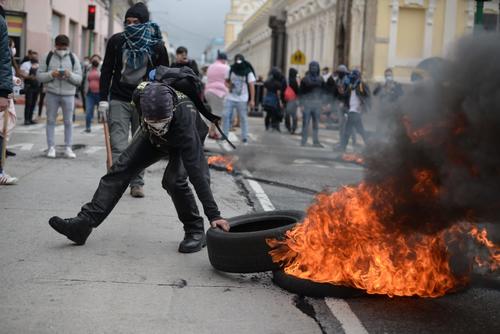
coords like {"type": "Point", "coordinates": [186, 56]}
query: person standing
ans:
{"type": "Point", "coordinates": [31, 86]}
{"type": "Point", "coordinates": [216, 90]}
{"type": "Point", "coordinates": [312, 90]}
{"type": "Point", "coordinates": [181, 59]}
{"type": "Point", "coordinates": [130, 55]}
{"type": "Point", "coordinates": [291, 100]}
{"type": "Point", "coordinates": [357, 103]}
{"type": "Point", "coordinates": [6, 86]}
{"type": "Point", "coordinates": [273, 103]}
{"type": "Point", "coordinates": [240, 80]}
{"type": "Point", "coordinates": [60, 70]}
{"type": "Point", "coordinates": [92, 90]}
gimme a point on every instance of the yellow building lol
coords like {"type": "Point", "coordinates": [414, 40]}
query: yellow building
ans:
{"type": "Point", "coordinates": [408, 31]}
{"type": "Point", "coordinates": [368, 34]}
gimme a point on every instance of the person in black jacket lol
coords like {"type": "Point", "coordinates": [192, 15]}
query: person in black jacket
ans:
{"type": "Point", "coordinates": [292, 104]}
{"type": "Point", "coordinates": [312, 93]}
{"type": "Point", "coordinates": [130, 55]}
{"type": "Point", "coordinates": [170, 127]}
{"type": "Point", "coordinates": [181, 59]}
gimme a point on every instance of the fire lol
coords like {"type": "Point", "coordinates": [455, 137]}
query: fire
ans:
{"type": "Point", "coordinates": [226, 162]}
{"type": "Point", "coordinates": [353, 157]}
{"type": "Point", "coordinates": [343, 241]}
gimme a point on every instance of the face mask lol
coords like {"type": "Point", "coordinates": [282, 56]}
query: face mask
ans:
{"type": "Point", "coordinates": [95, 63]}
{"type": "Point", "coordinates": [389, 78]}
{"type": "Point", "coordinates": [239, 61]}
{"type": "Point", "coordinates": [13, 51]}
{"type": "Point", "coordinates": [61, 53]}
{"type": "Point", "coordinates": [158, 128]}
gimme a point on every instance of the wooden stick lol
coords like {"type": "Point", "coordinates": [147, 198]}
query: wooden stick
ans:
{"type": "Point", "coordinates": [4, 136]}
{"type": "Point", "coordinates": [109, 157]}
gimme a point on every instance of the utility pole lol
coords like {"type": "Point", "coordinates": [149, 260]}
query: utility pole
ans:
{"type": "Point", "coordinates": [111, 17]}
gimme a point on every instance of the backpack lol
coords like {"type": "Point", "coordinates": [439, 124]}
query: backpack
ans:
{"type": "Point", "coordinates": [289, 94]}
{"type": "Point", "coordinates": [184, 80]}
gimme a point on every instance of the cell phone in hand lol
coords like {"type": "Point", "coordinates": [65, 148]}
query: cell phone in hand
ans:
{"type": "Point", "coordinates": [62, 72]}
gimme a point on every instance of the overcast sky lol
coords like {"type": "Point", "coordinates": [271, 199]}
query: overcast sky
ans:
{"type": "Point", "coordinates": [190, 23]}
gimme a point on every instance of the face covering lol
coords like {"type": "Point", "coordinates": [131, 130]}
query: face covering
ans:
{"type": "Point", "coordinates": [61, 53]}
{"type": "Point", "coordinates": [13, 52]}
{"type": "Point", "coordinates": [158, 128]}
{"type": "Point", "coordinates": [388, 78]}
{"type": "Point", "coordinates": [95, 63]}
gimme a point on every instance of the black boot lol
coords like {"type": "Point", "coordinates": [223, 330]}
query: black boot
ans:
{"type": "Point", "coordinates": [76, 229]}
{"type": "Point", "coordinates": [193, 242]}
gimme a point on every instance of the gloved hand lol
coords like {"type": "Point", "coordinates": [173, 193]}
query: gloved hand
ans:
{"type": "Point", "coordinates": [103, 107]}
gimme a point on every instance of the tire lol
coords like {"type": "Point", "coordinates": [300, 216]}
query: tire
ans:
{"type": "Point", "coordinates": [308, 288]}
{"type": "Point", "coordinates": [244, 249]}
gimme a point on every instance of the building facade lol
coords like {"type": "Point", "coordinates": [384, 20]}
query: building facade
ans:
{"type": "Point", "coordinates": [371, 35]}
{"type": "Point", "coordinates": [34, 24]}
{"type": "Point", "coordinates": [240, 11]}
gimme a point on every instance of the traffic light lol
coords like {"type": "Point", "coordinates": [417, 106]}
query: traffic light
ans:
{"type": "Point", "coordinates": [91, 17]}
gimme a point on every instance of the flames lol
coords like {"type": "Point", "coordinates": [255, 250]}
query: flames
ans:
{"type": "Point", "coordinates": [353, 157]}
{"type": "Point", "coordinates": [222, 162]}
{"type": "Point", "coordinates": [343, 241]}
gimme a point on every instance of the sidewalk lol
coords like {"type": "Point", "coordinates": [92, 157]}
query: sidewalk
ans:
{"type": "Point", "coordinates": [129, 277]}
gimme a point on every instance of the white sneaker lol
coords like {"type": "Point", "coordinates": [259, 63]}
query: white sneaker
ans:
{"type": "Point", "coordinates": [7, 180]}
{"type": "Point", "coordinates": [68, 153]}
{"type": "Point", "coordinates": [51, 153]}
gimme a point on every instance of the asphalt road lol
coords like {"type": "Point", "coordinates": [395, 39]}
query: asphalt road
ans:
{"type": "Point", "coordinates": [129, 278]}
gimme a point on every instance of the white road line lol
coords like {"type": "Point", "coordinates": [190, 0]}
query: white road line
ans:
{"type": "Point", "coordinates": [348, 167]}
{"type": "Point", "coordinates": [264, 201]}
{"type": "Point", "coordinates": [94, 149]}
{"type": "Point", "coordinates": [342, 311]}
{"type": "Point", "coordinates": [22, 146]}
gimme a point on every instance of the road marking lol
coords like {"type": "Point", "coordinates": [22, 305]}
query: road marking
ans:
{"type": "Point", "coordinates": [348, 167]}
{"type": "Point", "coordinates": [94, 149]}
{"type": "Point", "coordinates": [22, 146]}
{"type": "Point", "coordinates": [342, 311]}
{"type": "Point", "coordinates": [262, 197]}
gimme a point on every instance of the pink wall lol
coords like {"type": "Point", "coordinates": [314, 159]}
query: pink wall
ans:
{"type": "Point", "coordinates": [39, 23]}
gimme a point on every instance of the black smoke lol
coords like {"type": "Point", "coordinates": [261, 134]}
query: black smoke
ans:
{"type": "Point", "coordinates": [448, 124]}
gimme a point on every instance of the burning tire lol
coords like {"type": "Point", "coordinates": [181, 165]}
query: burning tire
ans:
{"type": "Point", "coordinates": [244, 249]}
{"type": "Point", "coordinates": [305, 287]}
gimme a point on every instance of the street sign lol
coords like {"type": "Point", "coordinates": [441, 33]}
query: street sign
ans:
{"type": "Point", "coordinates": [298, 58]}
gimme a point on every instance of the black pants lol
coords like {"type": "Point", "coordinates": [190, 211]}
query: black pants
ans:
{"type": "Point", "coordinates": [137, 156]}
{"type": "Point", "coordinates": [31, 95]}
{"type": "Point", "coordinates": [40, 103]}
{"type": "Point", "coordinates": [353, 122]}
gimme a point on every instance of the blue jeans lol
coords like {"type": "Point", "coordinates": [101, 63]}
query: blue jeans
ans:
{"type": "Point", "coordinates": [242, 109]}
{"type": "Point", "coordinates": [90, 104]}
{"type": "Point", "coordinates": [310, 112]}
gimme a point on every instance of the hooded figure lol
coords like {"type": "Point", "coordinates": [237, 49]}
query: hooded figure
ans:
{"type": "Point", "coordinates": [312, 95]}
{"type": "Point", "coordinates": [168, 130]}
{"type": "Point", "coordinates": [312, 85]}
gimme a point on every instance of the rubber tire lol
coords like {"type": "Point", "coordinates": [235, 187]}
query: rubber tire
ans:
{"type": "Point", "coordinates": [308, 288]}
{"type": "Point", "coordinates": [244, 249]}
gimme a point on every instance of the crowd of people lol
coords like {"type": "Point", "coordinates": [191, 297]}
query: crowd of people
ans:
{"type": "Point", "coordinates": [231, 91]}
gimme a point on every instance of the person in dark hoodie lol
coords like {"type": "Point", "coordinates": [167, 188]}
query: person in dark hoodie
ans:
{"type": "Point", "coordinates": [291, 101]}
{"type": "Point", "coordinates": [130, 55]}
{"type": "Point", "coordinates": [172, 128]}
{"type": "Point", "coordinates": [312, 92]}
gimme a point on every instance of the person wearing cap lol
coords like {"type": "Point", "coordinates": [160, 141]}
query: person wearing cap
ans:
{"type": "Point", "coordinates": [169, 121]}
{"type": "Point", "coordinates": [216, 89]}
{"type": "Point", "coordinates": [130, 55]}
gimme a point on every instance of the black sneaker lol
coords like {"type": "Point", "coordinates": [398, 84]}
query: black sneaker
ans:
{"type": "Point", "coordinates": [75, 229]}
